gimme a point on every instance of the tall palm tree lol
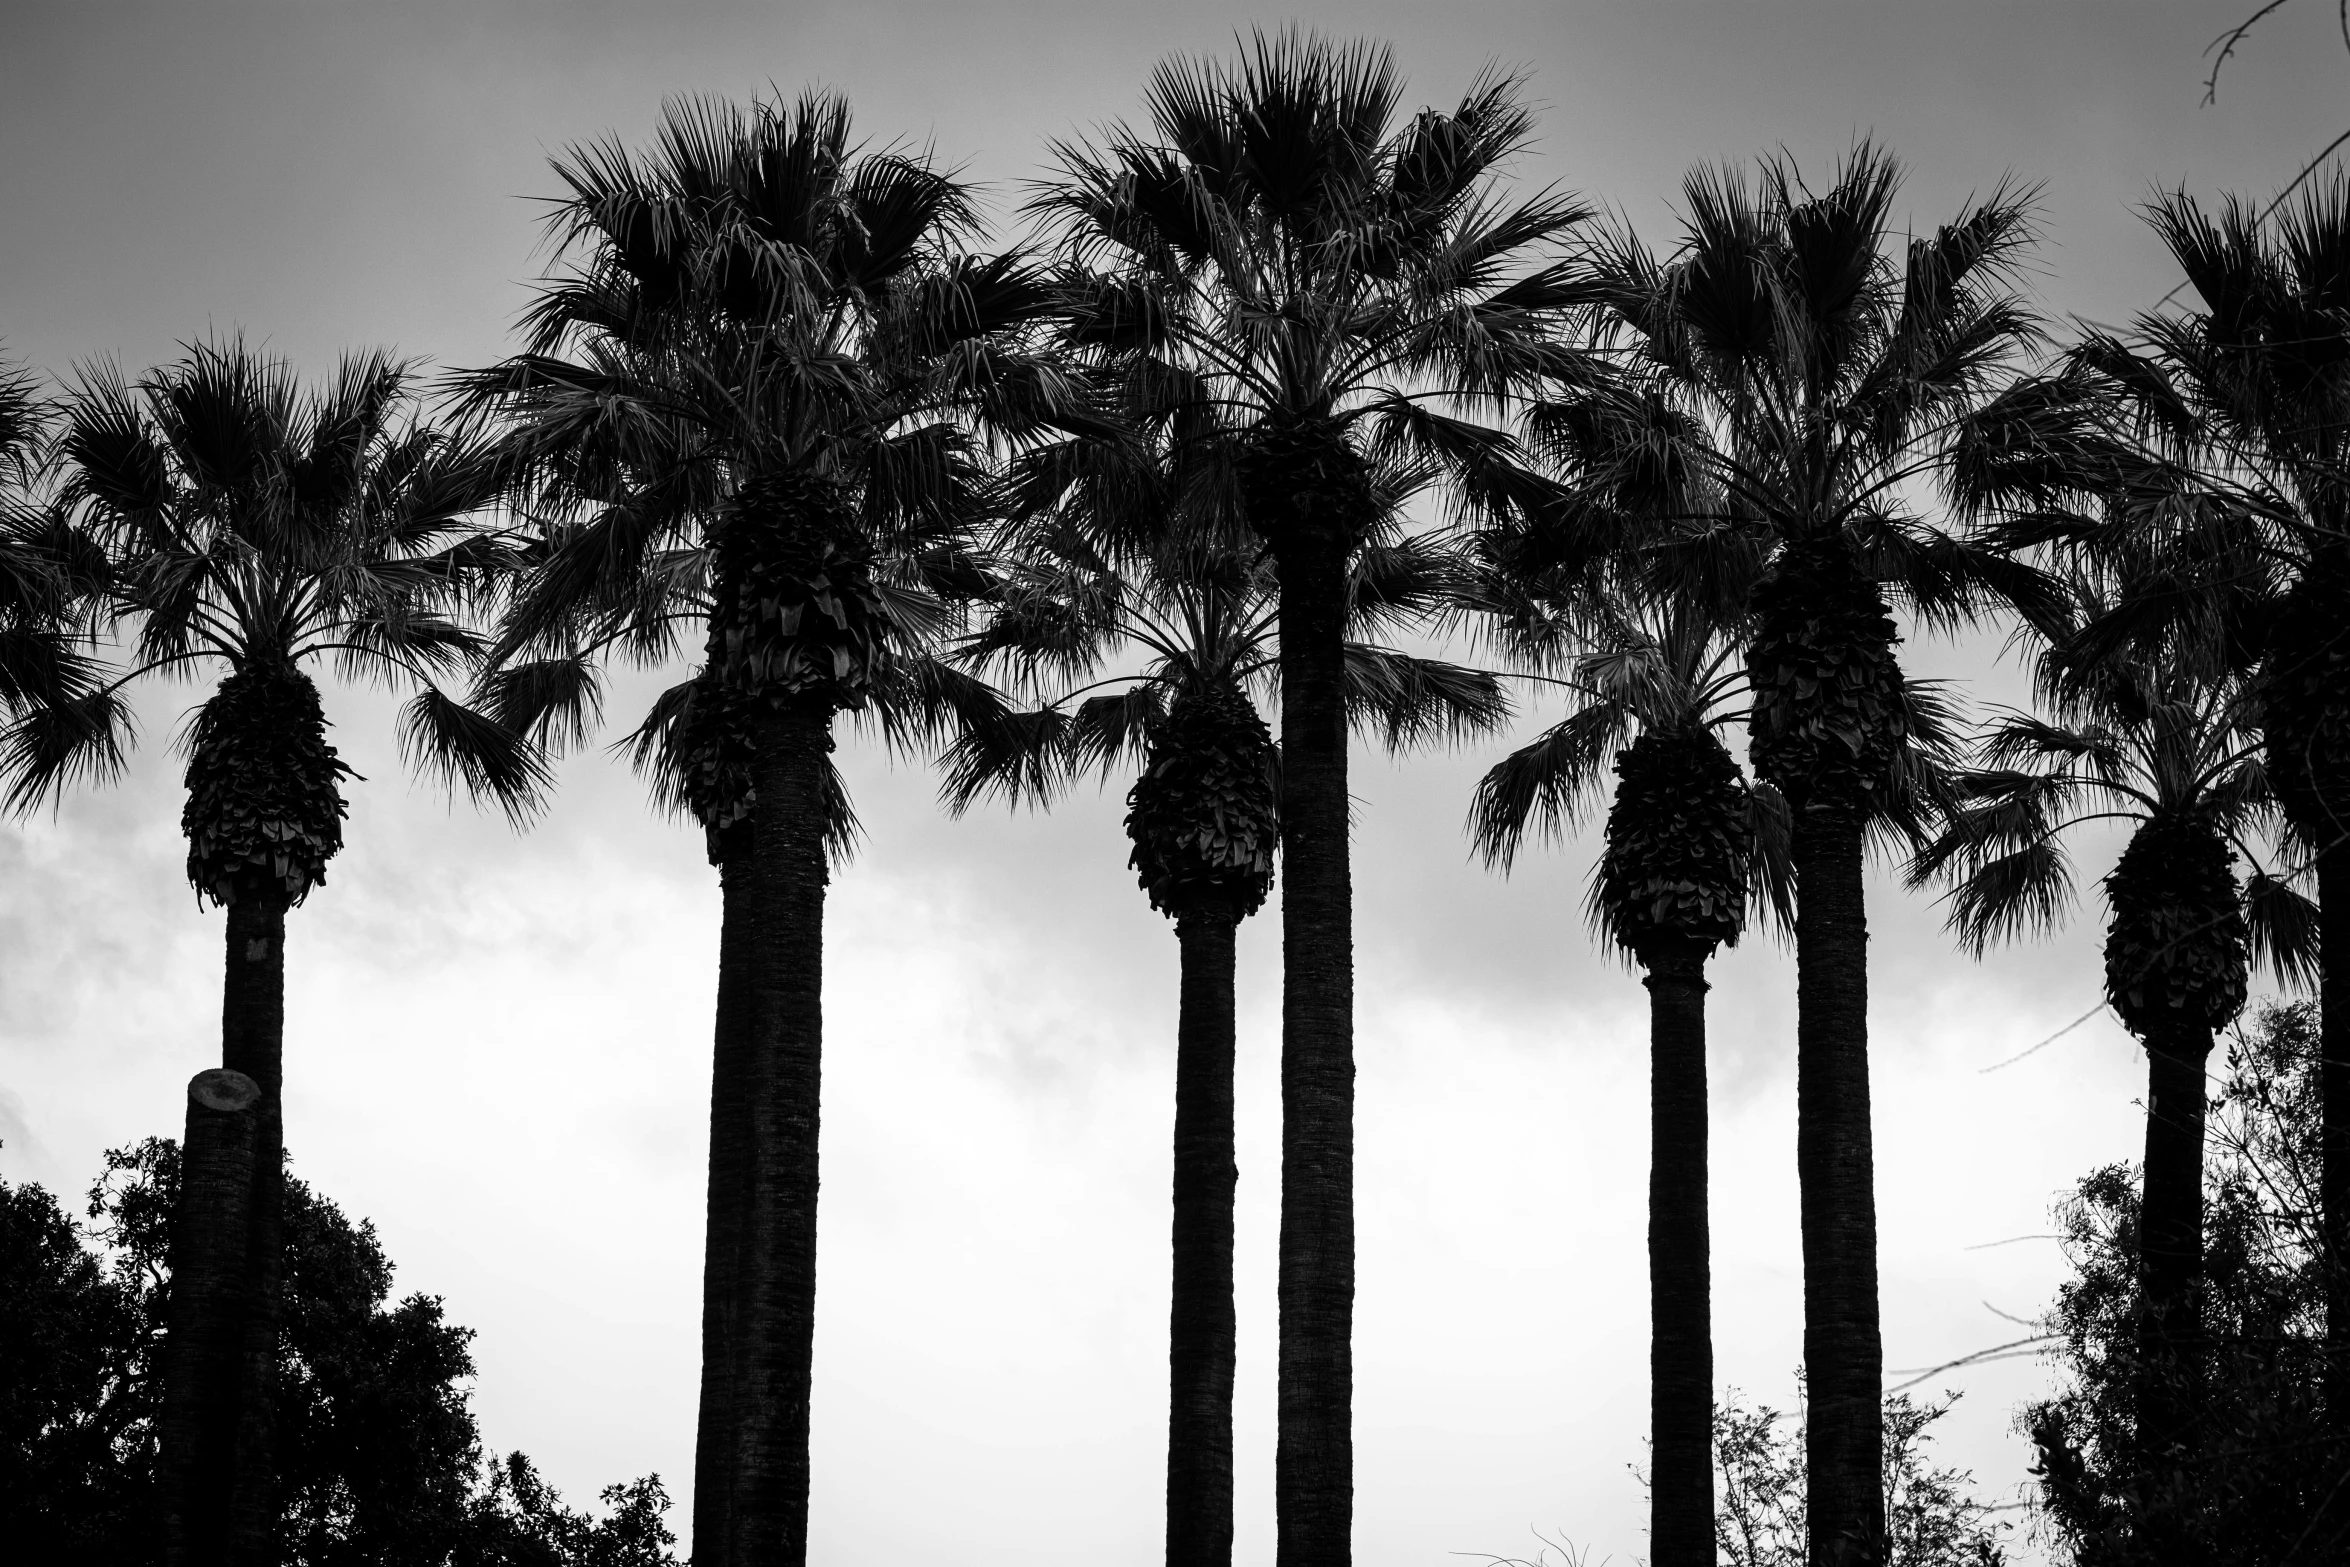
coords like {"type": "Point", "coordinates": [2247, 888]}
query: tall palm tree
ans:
{"type": "Point", "coordinates": [1821, 383]}
{"type": "Point", "coordinates": [746, 409]}
{"type": "Point", "coordinates": [2150, 741]}
{"type": "Point", "coordinates": [1329, 278]}
{"type": "Point", "coordinates": [1203, 819]}
{"type": "Point", "coordinates": [256, 530]}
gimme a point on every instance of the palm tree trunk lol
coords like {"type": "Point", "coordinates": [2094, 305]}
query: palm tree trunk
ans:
{"type": "Point", "coordinates": [1835, 1158]}
{"type": "Point", "coordinates": [252, 1041]}
{"type": "Point", "coordinates": [203, 1356]}
{"type": "Point", "coordinates": [2170, 1229]}
{"type": "Point", "coordinates": [1201, 1329]}
{"type": "Point", "coordinates": [774, 988]}
{"type": "Point", "coordinates": [1680, 1270]}
{"type": "Point", "coordinates": [1313, 1466]}
{"type": "Point", "coordinates": [730, 1154]}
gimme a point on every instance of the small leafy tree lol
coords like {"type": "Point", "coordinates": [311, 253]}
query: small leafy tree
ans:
{"type": "Point", "coordinates": [2267, 1482]}
{"type": "Point", "coordinates": [380, 1462]}
{"type": "Point", "coordinates": [1932, 1516]}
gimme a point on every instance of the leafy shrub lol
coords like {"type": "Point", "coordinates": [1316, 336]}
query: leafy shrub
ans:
{"type": "Point", "coordinates": [380, 1462]}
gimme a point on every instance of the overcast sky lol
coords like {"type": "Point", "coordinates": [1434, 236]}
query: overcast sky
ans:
{"type": "Point", "coordinates": [498, 1046]}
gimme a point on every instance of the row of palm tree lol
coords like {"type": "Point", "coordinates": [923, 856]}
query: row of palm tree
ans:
{"type": "Point", "coordinates": [1095, 504]}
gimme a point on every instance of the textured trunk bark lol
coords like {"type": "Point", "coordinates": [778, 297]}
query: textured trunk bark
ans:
{"type": "Point", "coordinates": [204, 1354]}
{"type": "Point", "coordinates": [1680, 1269]}
{"type": "Point", "coordinates": [775, 910]}
{"type": "Point", "coordinates": [730, 1165]}
{"type": "Point", "coordinates": [1201, 1328]}
{"type": "Point", "coordinates": [252, 1041]}
{"type": "Point", "coordinates": [2170, 1230]}
{"type": "Point", "coordinates": [1835, 1158]}
{"type": "Point", "coordinates": [2333, 891]}
{"type": "Point", "coordinates": [1313, 1479]}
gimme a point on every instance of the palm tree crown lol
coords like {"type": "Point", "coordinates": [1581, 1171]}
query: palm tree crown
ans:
{"type": "Point", "coordinates": [750, 406]}
{"type": "Point", "coordinates": [2146, 740]}
{"type": "Point", "coordinates": [258, 530]}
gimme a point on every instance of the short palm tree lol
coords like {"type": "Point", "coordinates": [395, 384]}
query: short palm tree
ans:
{"type": "Point", "coordinates": [260, 532]}
{"type": "Point", "coordinates": [1820, 384]}
{"type": "Point", "coordinates": [1672, 885]}
{"type": "Point", "coordinates": [2205, 455]}
{"type": "Point", "coordinates": [1203, 818]}
{"type": "Point", "coordinates": [1329, 279]}
{"type": "Point", "coordinates": [746, 412]}
{"type": "Point", "coordinates": [2149, 741]}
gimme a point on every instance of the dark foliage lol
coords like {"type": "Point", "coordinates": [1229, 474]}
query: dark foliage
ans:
{"type": "Point", "coordinates": [712, 740]}
{"type": "Point", "coordinates": [76, 1461]}
{"type": "Point", "coordinates": [793, 608]}
{"type": "Point", "coordinates": [1680, 840]}
{"type": "Point", "coordinates": [2305, 717]}
{"type": "Point", "coordinates": [263, 814]}
{"type": "Point", "coordinates": [1830, 712]}
{"type": "Point", "coordinates": [380, 1461]}
{"type": "Point", "coordinates": [1204, 816]}
{"type": "Point", "coordinates": [1303, 485]}
{"type": "Point", "coordinates": [2175, 947]}
{"type": "Point", "coordinates": [1932, 1517]}
{"type": "Point", "coordinates": [2266, 1484]}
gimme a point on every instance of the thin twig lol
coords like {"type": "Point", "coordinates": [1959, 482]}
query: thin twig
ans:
{"type": "Point", "coordinates": [2019, 1349]}
{"type": "Point", "coordinates": [2050, 1040]}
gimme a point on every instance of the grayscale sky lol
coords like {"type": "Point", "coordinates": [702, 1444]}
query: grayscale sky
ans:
{"type": "Point", "coordinates": [498, 1045]}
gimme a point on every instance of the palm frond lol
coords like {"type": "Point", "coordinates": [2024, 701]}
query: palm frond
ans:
{"type": "Point", "coordinates": [469, 750]}
{"type": "Point", "coordinates": [53, 746]}
{"type": "Point", "coordinates": [1545, 786]}
{"type": "Point", "coordinates": [1407, 700]}
{"type": "Point", "coordinates": [2285, 930]}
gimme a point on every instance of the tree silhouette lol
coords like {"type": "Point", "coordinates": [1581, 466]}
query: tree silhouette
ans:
{"type": "Point", "coordinates": [750, 406]}
{"type": "Point", "coordinates": [1327, 279]}
{"type": "Point", "coordinates": [1201, 623]}
{"type": "Point", "coordinates": [1818, 385]}
{"type": "Point", "coordinates": [2196, 466]}
{"type": "Point", "coordinates": [1688, 843]}
{"type": "Point", "coordinates": [2141, 740]}
{"type": "Point", "coordinates": [253, 529]}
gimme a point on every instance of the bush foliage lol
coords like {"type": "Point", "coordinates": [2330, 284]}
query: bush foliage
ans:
{"type": "Point", "coordinates": [380, 1461]}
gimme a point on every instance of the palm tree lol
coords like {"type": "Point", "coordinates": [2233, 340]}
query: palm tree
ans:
{"type": "Point", "coordinates": [1819, 385]}
{"type": "Point", "coordinates": [747, 409]}
{"type": "Point", "coordinates": [1328, 279]}
{"type": "Point", "coordinates": [2147, 740]}
{"type": "Point", "coordinates": [2211, 448]}
{"type": "Point", "coordinates": [253, 529]}
{"type": "Point", "coordinates": [1203, 818]}
{"type": "Point", "coordinates": [1689, 843]}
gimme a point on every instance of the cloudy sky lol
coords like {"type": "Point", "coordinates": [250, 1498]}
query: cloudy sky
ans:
{"type": "Point", "coordinates": [497, 1046]}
